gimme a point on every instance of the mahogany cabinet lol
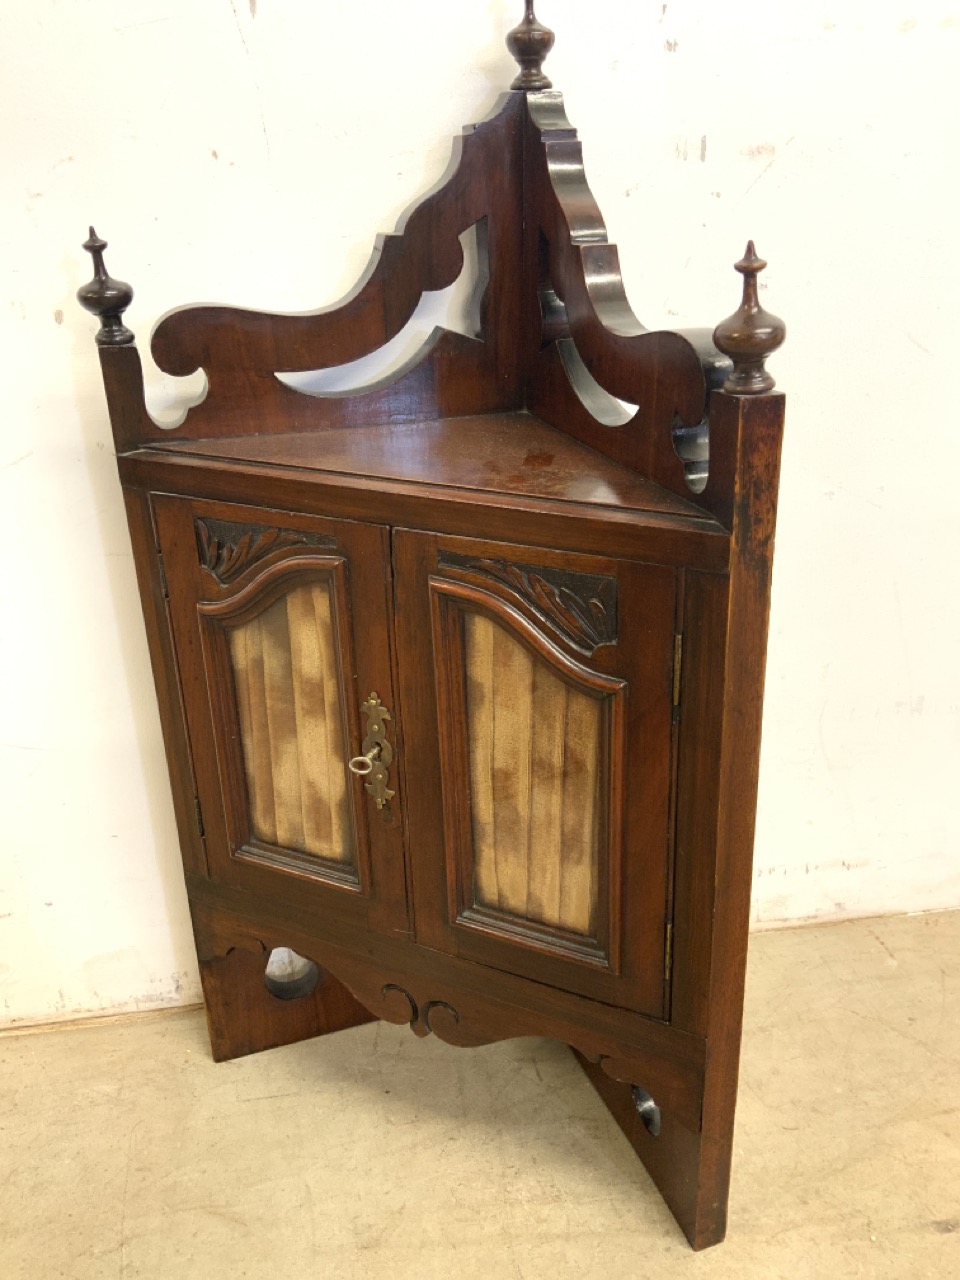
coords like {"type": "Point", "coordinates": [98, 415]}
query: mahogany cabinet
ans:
{"type": "Point", "coordinates": [460, 675]}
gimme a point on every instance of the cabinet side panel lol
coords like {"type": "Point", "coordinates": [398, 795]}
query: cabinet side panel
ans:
{"type": "Point", "coordinates": [166, 678]}
{"type": "Point", "coordinates": [756, 422]}
{"type": "Point", "coordinates": [698, 791]}
{"type": "Point", "coordinates": [721, 706]}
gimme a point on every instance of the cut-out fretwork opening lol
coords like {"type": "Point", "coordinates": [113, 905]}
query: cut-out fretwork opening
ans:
{"type": "Point", "coordinates": [647, 1110]}
{"type": "Point", "coordinates": [690, 443]}
{"type": "Point", "coordinates": [600, 404]}
{"type": "Point", "coordinates": [693, 449]}
{"type": "Point", "coordinates": [456, 309]}
{"type": "Point", "coordinates": [290, 976]}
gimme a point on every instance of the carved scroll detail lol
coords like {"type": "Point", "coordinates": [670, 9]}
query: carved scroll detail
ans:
{"type": "Point", "coordinates": [667, 1063]}
{"type": "Point", "coordinates": [419, 1018]}
{"type": "Point", "coordinates": [580, 607]}
{"type": "Point", "coordinates": [227, 548]}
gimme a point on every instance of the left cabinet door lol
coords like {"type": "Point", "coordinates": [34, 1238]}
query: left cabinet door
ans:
{"type": "Point", "coordinates": [282, 626]}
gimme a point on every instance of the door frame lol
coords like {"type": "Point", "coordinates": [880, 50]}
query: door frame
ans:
{"type": "Point", "coordinates": [206, 580]}
{"type": "Point", "coordinates": [637, 650]}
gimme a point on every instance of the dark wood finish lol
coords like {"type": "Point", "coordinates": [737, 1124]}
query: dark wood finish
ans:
{"type": "Point", "coordinates": [635, 679]}
{"type": "Point", "coordinates": [374, 893]}
{"type": "Point", "coordinates": [720, 963]}
{"type": "Point", "coordinates": [750, 334]}
{"type": "Point", "coordinates": [547, 269]}
{"type": "Point", "coordinates": [725, 634]}
{"type": "Point", "coordinates": [106, 297]}
{"type": "Point", "coordinates": [155, 603]}
{"type": "Point", "coordinates": [576, 271]}
{"type": "Point", "coordinates": [661, 537]}
{"type": "Point", "coordinates": [561, 603]}
{"type": "Point", "coordinates": [456, 375]}
{"type": "Point", "coordinates": [580, 607]}
{"type": "Point", "coordinates": [514, 454]}
{"type": "Point", "coordinates": [492, 1005]}
{"type": "Point", "coordinates": [243, 1017]}
{"type": "Point", "coordinates": [530, 42]}
{"type": "Point", "coordinates": [227, 548]}
{"type": "Point", "coordinates": [671, 1158]}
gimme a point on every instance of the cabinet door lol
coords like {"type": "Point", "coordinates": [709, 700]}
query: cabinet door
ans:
{"type": "Point", "coordinates": [537, 689]}
{"type": "Point", "coordinates": [281, 624]}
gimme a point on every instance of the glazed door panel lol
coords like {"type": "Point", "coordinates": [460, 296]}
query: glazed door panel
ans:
{"type": "Point", "coordinates": [534, 743]}
{"type": "Point", "coordinates": [281, 625]}
{"type": "Point", "coordinates": [288, 681]}
{"type": "Point", "coordinates": [537, 689]}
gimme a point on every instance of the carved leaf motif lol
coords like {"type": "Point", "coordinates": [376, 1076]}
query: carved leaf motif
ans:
{"type": "Point", "coordinates": [227, 549]}
{"type": "Point", "coordinates": [581, 607]}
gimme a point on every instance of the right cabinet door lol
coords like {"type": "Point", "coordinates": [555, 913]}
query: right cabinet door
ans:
{"type": "Point", "coordinates": [536, 689]}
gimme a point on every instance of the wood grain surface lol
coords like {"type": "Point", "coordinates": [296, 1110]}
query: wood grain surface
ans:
{"type": "Point", "coordinates": [569, 640]}
{"type": "Point", "coordinates": [508, 453]}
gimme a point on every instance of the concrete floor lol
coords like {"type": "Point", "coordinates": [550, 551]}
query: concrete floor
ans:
{"type": "Point", "coordinates": [126, 1152]}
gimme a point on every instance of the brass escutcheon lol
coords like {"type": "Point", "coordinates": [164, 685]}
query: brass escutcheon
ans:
{"type": "Point", "coordinates": [377, 753]}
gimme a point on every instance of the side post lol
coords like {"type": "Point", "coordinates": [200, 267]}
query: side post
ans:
{"type": "Point", "coordinates": [247, 1011]}
{"type": "Point", "coordinates": [725, 628]}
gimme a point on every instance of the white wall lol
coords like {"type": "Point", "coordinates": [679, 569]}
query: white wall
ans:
{"type": "Point", "coordinates": [249, 152]}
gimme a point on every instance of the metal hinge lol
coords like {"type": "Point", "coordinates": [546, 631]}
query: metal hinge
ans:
{"type": "Point", "coordinates": [677, 667]}
{"type": "Point", "coordinates": [199, 812]}
{"type": "Point", "coordinates": [668, 953]}
{"type": "Point", "coordinates": [163, 576]}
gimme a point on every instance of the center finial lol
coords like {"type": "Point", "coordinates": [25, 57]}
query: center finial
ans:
{"type": "Point", "coordinates": [530, 43]}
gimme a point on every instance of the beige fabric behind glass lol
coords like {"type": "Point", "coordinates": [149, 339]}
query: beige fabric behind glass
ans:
{"type": "Point", "coordinates": [288, 692]}
{"type": "Point", "coordinates": [534, 746]}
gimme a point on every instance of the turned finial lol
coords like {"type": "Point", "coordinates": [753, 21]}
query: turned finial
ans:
{"type": "Point", "coordinates": [105, 297]}
{"type": "Point", "coordinates": [530, 43]}
{"type": "Point", "coordinates": [750, 334]}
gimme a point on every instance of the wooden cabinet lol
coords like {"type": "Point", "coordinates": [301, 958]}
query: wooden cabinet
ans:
{"type": "Point", "coordinates": [460, 675]}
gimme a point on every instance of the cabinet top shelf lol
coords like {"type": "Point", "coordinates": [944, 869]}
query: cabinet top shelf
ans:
{"type": "Point", "coordinates": [548, 389]}
{"type": "Point", "coordinates": [514, 454]}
